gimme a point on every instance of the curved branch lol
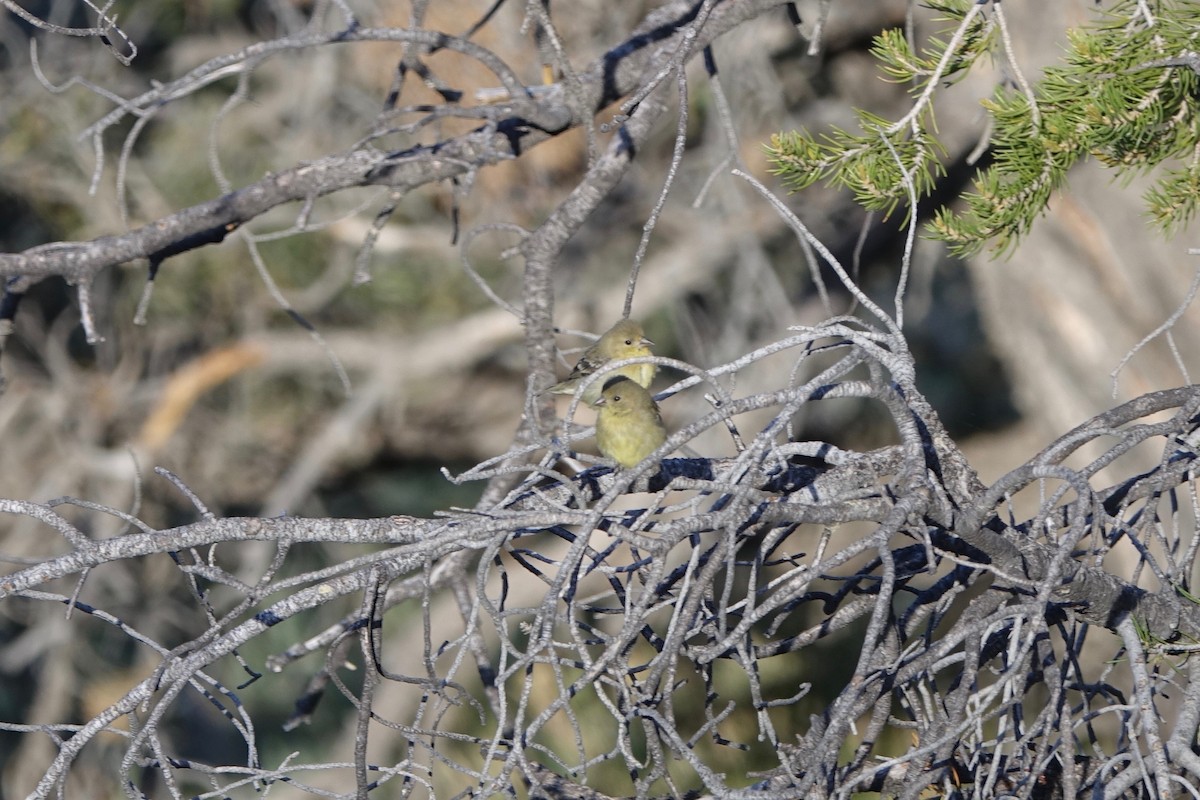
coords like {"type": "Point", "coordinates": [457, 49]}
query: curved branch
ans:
{"type": "Point", "coordinates": [614, 75]}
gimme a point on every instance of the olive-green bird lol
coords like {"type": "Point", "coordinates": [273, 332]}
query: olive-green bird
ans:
{"type": "Point", "coordinates": [629, 425]}
{"type": "Point", "coordinates": [624, 340]}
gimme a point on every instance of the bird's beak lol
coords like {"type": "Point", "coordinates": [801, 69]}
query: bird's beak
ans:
{"type": "Point", "coordinates": [600, 401]}
{"type": "Point", "coordinates": [646, 342]}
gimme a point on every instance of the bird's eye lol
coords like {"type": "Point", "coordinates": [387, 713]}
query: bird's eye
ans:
{"type": "Point", "coordinates": [616, 398]}
{"type": "Point", "coordinates": [629, 341]}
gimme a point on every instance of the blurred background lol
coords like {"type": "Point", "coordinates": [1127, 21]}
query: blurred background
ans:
{"type": "Point", "coordinates": [222, 387]}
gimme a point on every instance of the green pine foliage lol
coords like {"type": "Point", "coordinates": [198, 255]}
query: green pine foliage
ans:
{"type": "Point", "coordinates": [1124, 93]}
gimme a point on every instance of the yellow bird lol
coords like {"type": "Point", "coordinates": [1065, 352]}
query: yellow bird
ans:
{"type": "Point", "coordinates": [624, 340]}
{"type": "Point", "coordinates": [629, 425]}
